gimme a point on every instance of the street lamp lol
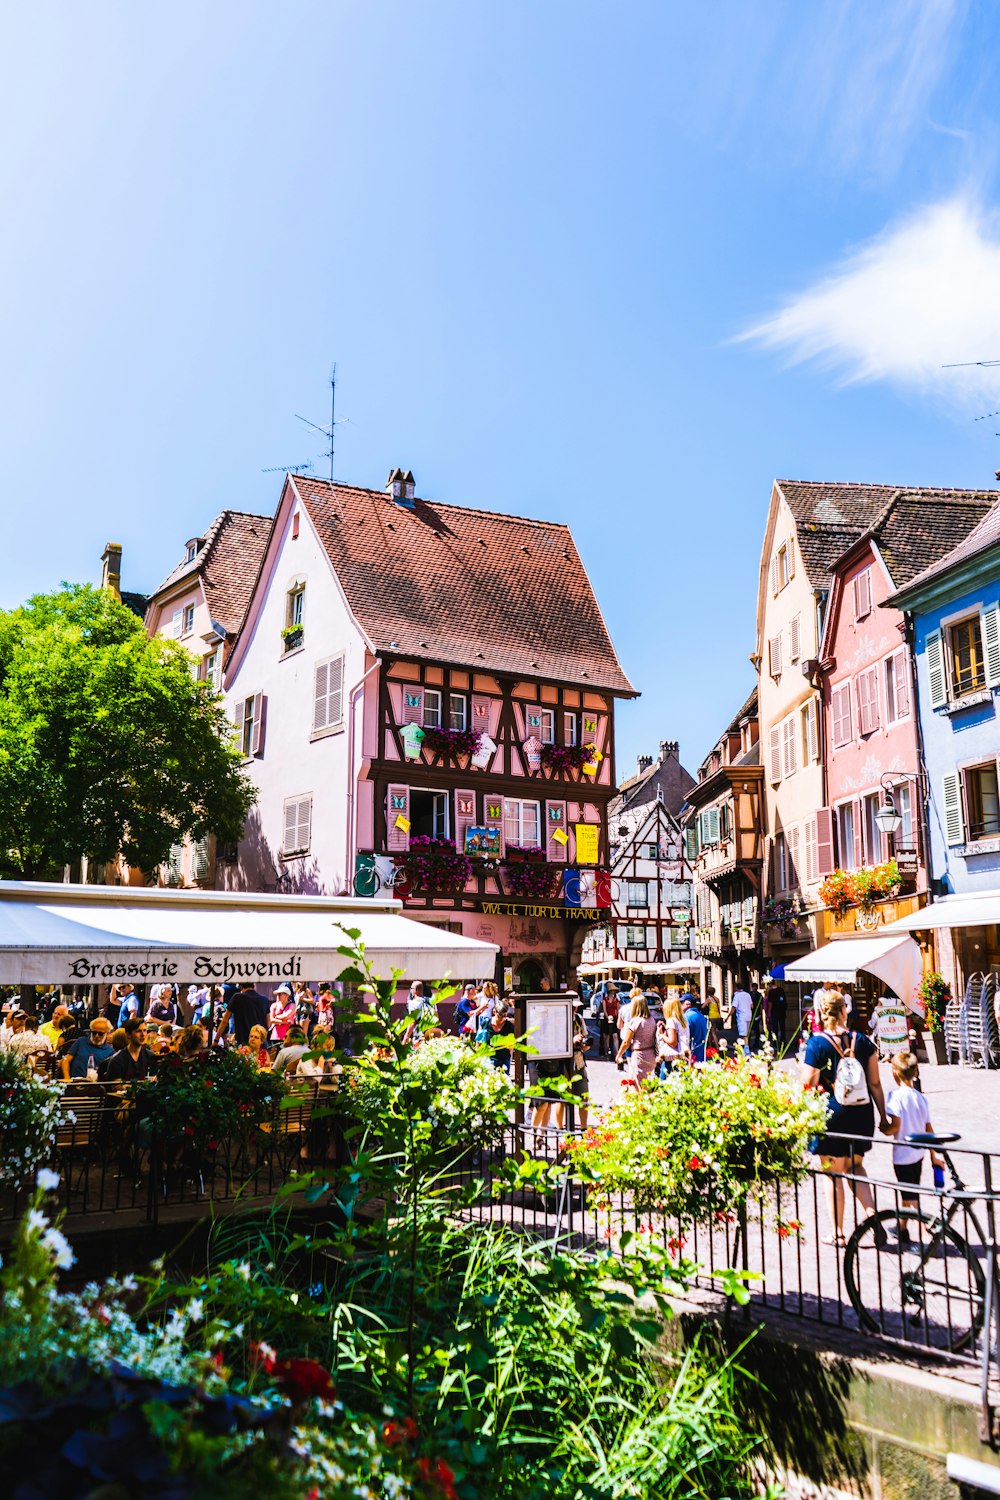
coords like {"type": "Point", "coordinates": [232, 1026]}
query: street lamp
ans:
{"type": "Point", "coordinates": [888, 816]}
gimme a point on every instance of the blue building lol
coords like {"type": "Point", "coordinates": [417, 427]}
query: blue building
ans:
{"type": "Point", "coordinates": [953, 623]}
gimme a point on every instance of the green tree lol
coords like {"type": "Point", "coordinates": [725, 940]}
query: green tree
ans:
{"type": "Point", "coordinates": [108, 745]}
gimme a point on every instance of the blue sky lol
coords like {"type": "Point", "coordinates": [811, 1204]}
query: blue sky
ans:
{"type": "Point", "coordinates": [618, 266]}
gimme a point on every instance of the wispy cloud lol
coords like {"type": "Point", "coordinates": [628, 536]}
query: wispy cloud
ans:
{"type": "Point", "coordinates": [923, 294]}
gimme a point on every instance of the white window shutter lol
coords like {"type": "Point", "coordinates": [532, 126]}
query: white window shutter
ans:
{"type": "Point", "coordinates": [990, 626]}
{"type": "Point", "coordinates": [259, 714]}
{"type": "Point", "coordinates": [291, 827]}
{"type": "Point", "coordinates": [713, 825]}
{"type": "Point", "coordinates": [775, 755]}
{"type": "Point", "coordinates": [176, 623]}
{"type": "Point", "coordinates": [936, 683]}
{"type": "Point", "coordinates": [303, 830]}
{"type": "Point", "coordinates": [774, 655]}
{"type": "Point", "coordinates": [795, 631]}
{"type": "Point", "coordinates": [790, 555]}
{"type": "Point", "coordinates": [335, 692]}
{"type": "Point", "coordinates": [238, 713]}
{"type": "Point", "coordinates": [812, 730]}
{"type": "Point", "coordinates": [774, 575]}
{"type": "Point", "coordinates": [864, 713]}
{"type": "Point", "coordinates": [901, 682]}
{"type": "Point", "coordinates": [320, 679]}
{"type": "Point", "coordinates": [954, 822]}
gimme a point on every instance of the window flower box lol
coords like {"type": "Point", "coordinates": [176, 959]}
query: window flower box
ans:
{"type": "Point", "coordinates": [563, 758]}
{"type": "Point", "coordinates": [292, 636]}
{"type": "Point", "coordinates": [530, 879]}
{"type": "Point", "coordinates": [451, 743]}
{"type": "Point", "coordinates": [846, 888]}
{"type": "Point", "coordinates": [434, 864]}
{"type": "Point", "coordinates": [524, 854]}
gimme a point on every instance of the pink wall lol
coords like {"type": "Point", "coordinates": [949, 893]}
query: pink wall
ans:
{"type": "Point", "coordinates": [871, 666]}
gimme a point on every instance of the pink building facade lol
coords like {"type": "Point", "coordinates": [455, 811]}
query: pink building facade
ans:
{"type": "Point", "coordinates": [869, 725]}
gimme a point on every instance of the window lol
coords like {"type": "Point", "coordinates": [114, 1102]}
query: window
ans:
{"type": "Point", "coordinates": [649, 851]}
{"type": "Point", "coordinates": [792, 858]}
{"type": "Point", "coordinates": [249, 715]}
{"type": "Point", "coordinates": [965, 644]}
{"type": "Point", "coordinates": [982, 800]}
{"type": "Point", "coordinates": [840, 705]}
{"type": "Point", "coordinates": [298, 825]}
{"type": "Point", "coordinates": [774, 655]}
{"type": "Point", "coordinates": [522, 823]}
{"type": "Point", "coordinates": [296, 605]}
{"type": "Point", "coordinates": [458, 711]}
{"type": "Point", "coordinates": [903, 837]}
{"type": "Point", "coordinates": [867, 682]}
{"type": "Point", "coordinates": [432, 708]}
{"type": "Point", "coordinates": [788, 739]}
{"type": "Point", "coordinates": [192, 551]}
{"type": "Point", "coordinates": [571, 729]}
{"type": "Point", "coordinates": [810, 732]}
{"type": "Point", "coordinates": [635, 937]}
{"type": "Point", "coordinates": [548, 729]}
{"type": "Point", "coordinates": [871, 833]}
{"type": "Point", "coordinates": [709, 827]}
{"type": "Point", "coordinates": [845, 836]}
{"type": "Point", "coordinates": [428, 814]}
{"type": "Point", "coordinates": [897, 689]}
{"type": "Point", "coordinates": [212, 669]}
{"type": "Point", "coordinates": [781, 567]}
{"type": "Point", "coordinates": [779, 863]}
{"type": "Point", "coordinates": [637, 893]}
{"type": "Point", "coordinates": [328, 695]}
{"type": "Point", "coordinates": [188, 624]}
{"type": "Point", "coordinates": [863, 594]}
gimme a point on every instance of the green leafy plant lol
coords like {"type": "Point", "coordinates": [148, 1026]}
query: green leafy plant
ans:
{"type": "Point", "coordinates": [935, 993]}
{"type": "Point", "coordinates": [29, 1119]}
{"type": "Point", "coordinates": [215, 1094]}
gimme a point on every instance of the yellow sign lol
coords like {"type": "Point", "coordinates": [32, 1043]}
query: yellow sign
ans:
{"type": "Point", "coordinates": [587, 843]}
{"type": "Point", "coordinates": [560, 835]}
{"type": "Point", "coordinates": [403, 823]}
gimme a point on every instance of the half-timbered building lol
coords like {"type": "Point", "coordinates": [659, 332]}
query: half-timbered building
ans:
{"type": "Point", "coordinates": [426, 695]}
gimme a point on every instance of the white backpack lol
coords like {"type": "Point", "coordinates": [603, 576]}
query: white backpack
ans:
{"type": "Point", "coordinates": [850, 1086]}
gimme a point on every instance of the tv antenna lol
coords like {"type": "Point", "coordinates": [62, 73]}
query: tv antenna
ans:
{"type": "Point", "coordinates": [327, 432]}
{"type": "Point", "coordinates": [967, 364]}
{"type": "Point", "coordinates": [289, 468]}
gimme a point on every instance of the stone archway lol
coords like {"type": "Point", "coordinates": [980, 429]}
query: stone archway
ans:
{"type": "Point", "coordinates": [528, 976]}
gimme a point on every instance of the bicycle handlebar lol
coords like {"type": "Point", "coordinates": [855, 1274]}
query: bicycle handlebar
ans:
{"type": "Point", "coordinates": [927, 1138]}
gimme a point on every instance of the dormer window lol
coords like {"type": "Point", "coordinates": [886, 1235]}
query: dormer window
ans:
{"type": "Point", "coordinates": [193, 548]}
{"type": "Point", "coordinates": [295, 605]}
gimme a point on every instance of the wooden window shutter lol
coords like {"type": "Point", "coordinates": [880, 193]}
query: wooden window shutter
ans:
{"type": "Point", "coordinates": [176, 623]}
{"type": "Point", "coordinates": [774, 655]}
{"type": "Point", "coordinates": [826, 861]}
{"type": "Point", "coordinates": [413, 704]}
{"type": "Point", "coordinates": [291, 826]}
{"type": "Point", "coordinates": [465, 815]}
{"type": "Point", "coordinates": [320, 680]}
{"type": "Point", "coordinates": [774, 575]}
{"type": "Point", "coordinates": [259, 714]}
{"type": "Point", "coordinates": [713, 825]}
{"type": "Point", "coordinates": [335, 691]}
{"type": "Point", "coordinates": [873, 698]}
{"type": "Point", "coordinates": [862, 594]}
{"type": "Point", "coordinates": [864, 707]}
{"type": "Point", "coordinates": [859, 854]}
{"type": "Point", "coordinates": [795, 631]}
{"type": "Point", "coordinates": [954, 821]}
{"type": "Point", "coordinates": [774, 747]}
{"type": "Point", "coordinates": [901, 682]}
{"type": "Point", "coordinates": [812, 730]}
{"type": "Point", "coordinates": [792, 845]}
{"type": "Point", "coordinates": [790, 555]}
{"type": "Point", "coordinates": [533, 721]}
{"type": "Point", "coordinates": [238, 713]}
{"type": "Point", "coordinates": [480, 705]}
{"type": "Point", "coordinates": [937, 685]}
{"type": "Point", "coordinates": [397, 805]}
{"type": "Point", "coordinates": [556, 851]}
{"type": "Point", "coordinates": [990, 626]}
{"type": "Point", "coordinates": [303, 829]}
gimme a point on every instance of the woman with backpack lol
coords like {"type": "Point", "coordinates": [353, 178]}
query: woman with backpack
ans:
{"type": "Point", "coordinates": [844, 1066]}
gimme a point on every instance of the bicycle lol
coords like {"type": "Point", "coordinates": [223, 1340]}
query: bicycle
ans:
{"type": "Point", "coordinates": [368, 881]}
{"type": "Point", "coordinates": [926, 1272]}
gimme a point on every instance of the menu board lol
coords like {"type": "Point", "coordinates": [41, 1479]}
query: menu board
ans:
{"type": "Point", "coordinates": [549, 1025]}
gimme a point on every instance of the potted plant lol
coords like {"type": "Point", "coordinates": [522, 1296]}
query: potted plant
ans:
{"type": "Point", "coordinates": [451, 743]}
{"type": "Point", "coordinates": [524, 854]}
{"type": "Point", "coordinates": [837, 892]}
{"type": "Point", "coordinates": [934, 995]}
{"type": "Point", "coordinates": [434, 864]}
{"type": "Point", "coordinates": [563, 758]}
{"type": "Point", "coordinates": [529, 879]}
{"type": "Point", "coordinates": [292, 636]}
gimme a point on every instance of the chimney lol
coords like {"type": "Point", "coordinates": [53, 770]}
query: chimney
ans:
{"type": "Point", "coordinates": [645, 761]}
{"type": "Point", "coordinates": [669, 749]}
{"type": "Point", "coordinates": [400, 486]}
{"type": "Point", "coordinates": [111, 568]}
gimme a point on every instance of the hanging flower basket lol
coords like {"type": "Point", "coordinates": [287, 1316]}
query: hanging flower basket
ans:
{"type": "Point", "coordinates": [435, 864]}
{"type": "Point", "coordinates": [529, 879]}
{"type": "Point", "coordinates": [451, 742]}
{"type": "Point", "coordinates": [563, 758]}
{"type": "Point", "coordinates": [845, 888]}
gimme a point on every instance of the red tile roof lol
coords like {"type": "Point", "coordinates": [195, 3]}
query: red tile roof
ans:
{"type": "Point", "coordinates": [227, 564]}
{"type": "Point", "coordinates": [453, 584]}
{"type": "Point", "coordinates": [986, 534]}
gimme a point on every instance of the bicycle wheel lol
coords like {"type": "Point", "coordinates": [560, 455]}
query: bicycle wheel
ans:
{"type": "Point", "coordinates": [366, 877]}
{"type": "Point", "coordinates": [922, 1282]}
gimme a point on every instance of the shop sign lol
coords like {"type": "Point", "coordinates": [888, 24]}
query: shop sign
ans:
{"type": "Point", "coordinates": [892, 1027]}
{"type": "Point", "coordinates": [587, 843]}
{"type": "Point", "coordinates": [565, 913]}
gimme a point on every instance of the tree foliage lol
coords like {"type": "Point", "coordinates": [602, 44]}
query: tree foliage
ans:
{"type": "Point", "coordinates": [108, 745]}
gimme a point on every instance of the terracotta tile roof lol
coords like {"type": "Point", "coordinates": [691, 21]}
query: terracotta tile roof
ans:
{"type": "Point", "coordinates": [918, 530]}
{"type": "Point", "coordinates": [830, 517]}
{"type": "Point", "coordinates": [984, 535]}
{"type": "Point", "coordinates": [227, 564]}
{"type": "Point", "coordinates": [748, 711]}
{"type": "Point", "coordinates": [450, 583]}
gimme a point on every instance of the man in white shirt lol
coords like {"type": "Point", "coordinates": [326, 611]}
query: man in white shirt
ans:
{"type": "Point", "coordinates": [740, 1012]}
{"type": "Point", "coordinates": [25, 1042]}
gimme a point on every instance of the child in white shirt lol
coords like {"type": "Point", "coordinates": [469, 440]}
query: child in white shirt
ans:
{"type": "Point", "coordinates": [909, 1114]}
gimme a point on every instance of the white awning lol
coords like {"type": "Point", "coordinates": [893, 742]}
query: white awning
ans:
{"type": "Point", "coordinates": [60, 934]}
{"type": "Point", "coordinates": [895, 960]}
{"type": "Point", "coordinates": [979, 909]}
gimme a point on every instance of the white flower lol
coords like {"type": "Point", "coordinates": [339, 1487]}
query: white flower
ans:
{"type": "Point", "coordinates": [195, 1310]}
{"type": "Point", "coordinates": [47, 1180]}
{"type": "Point", "coordinates": [35, 1221]}
{"type": "Point", "coordinates": [59, 1247]}
{"type": "Point", "coordinates": [244, 1270]}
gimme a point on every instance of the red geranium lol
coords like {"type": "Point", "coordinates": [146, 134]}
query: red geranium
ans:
{"type": "Point", "coordinates": [302, 1379]}
{"type": "Point", "coordinates": [694, 1165]}
{"type": "Point", "coordinates": [436, 1474]}
{"type": "Point", "coordinates": [396, 1433]}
